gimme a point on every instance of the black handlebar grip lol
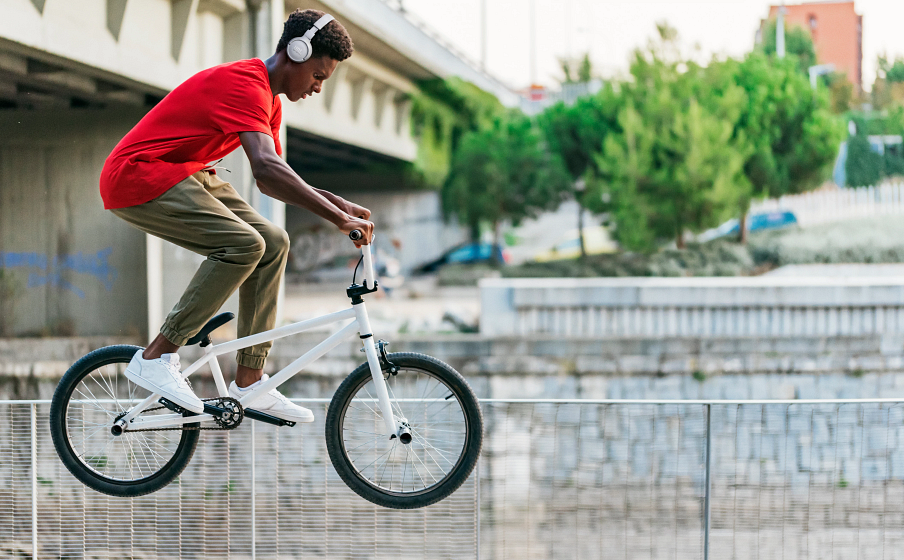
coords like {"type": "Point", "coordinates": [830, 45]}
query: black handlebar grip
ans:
{"type": "Point", "coordinates": [355, 235]}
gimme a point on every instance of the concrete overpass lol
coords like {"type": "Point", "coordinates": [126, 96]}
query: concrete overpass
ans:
{"type": "Point", "coordinates": [74, 78]}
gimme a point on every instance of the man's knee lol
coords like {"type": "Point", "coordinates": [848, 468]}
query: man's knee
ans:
{"type": "Point", "coordinates": [277, 240]}
{"type": "Point", "coordinates": [246, 247]}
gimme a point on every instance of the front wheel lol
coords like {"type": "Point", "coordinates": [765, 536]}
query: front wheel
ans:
{"type": "Point", "coordinates": [445, 425]}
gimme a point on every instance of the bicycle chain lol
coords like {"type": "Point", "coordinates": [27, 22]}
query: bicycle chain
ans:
{"type": "Point", "coordinates": [232, 423]}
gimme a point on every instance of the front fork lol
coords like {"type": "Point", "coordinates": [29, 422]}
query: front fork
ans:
{"type": "Point", "coordinates": [393, 426]}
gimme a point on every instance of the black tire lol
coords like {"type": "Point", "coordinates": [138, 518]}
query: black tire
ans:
{"type": "Point", "coordinates": [103, 367]}
{"type": "Point", "coordinates": [465, 434]}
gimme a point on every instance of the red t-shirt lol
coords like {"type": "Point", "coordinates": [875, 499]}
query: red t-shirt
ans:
{"type": "Point", "coordinates": [196, 124]}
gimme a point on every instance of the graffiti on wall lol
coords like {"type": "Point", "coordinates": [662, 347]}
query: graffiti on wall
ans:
{"type": "Point", "coordinates": [44, 269]}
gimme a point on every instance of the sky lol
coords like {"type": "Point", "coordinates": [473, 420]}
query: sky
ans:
{"type": "Point", "coordinates": [611, 30]}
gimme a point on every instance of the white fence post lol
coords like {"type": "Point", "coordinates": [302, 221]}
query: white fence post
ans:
{"type": "Point", "coordinates": [253, 496]}
{"type": "Point", "coordinates": [708, 482]}
{"type": "Point", "coordinates": [478, 508]}
{"type": "Point", "coordinates": [34, 481]}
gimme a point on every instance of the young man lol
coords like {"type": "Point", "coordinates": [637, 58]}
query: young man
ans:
{"type": "Point", "coordinates": [159, 179]}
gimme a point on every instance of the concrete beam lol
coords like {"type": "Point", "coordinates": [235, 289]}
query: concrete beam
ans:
{"type": "Point", "coordinates": [182, 11]}
{"type": "Point", "coordinates": [116, 12]}
{"type": "Point", "coordinates": [8, 90]}
{"type": "Point", "coordinates": [222, 8]}
{"type": "Point", "coordinates": [55, 76]}
{"type": "Point", "coordinates": [13, 63]}
{"type": "Point", "coordinates": [404, 43]}
{"type": "Point", "coordinates": [124, 96]}
{"type": "Point", "coordinates": [359, 83]}
{"type": "Point", "coordinates": [380, 94]}
{"type": "Point", "coordinates": [331, 86]}
{"type": "Point", "coordinates": [41, 100]}
{"type": "Point", "coordinates": [402, 104]}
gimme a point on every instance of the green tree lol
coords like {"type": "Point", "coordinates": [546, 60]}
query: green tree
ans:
{"type": "Point", "coordinates": [576, 70]}
{"type": "Point", "coordinates": [675, 164]}
{"type": "Point", "coordinates": [893, 71]}
{"type": "Point", "coordinates": [576, 133]}
{"type": "Point", "coordinates": [502, 173]}
{"type": "Point", "coordinates": [864, 166]}
{"type": "Point", "coordinates": [442, 111]}
{"type": "Point", "coordinates": [798, 44]}
{"type": "Point", "coordinates": [888, 89]}
{"type": "Point", "coordinates": [793, 135]}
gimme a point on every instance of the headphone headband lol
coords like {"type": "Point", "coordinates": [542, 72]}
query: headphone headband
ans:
{"type": "Point", "coordinates": [299, 49]}
{"type": "Point", "coordinates": [318, 25]}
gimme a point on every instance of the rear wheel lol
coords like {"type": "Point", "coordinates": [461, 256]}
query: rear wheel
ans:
{"type": "Point", "coordinates": [445, 425]}
{"type": "Point", "coordinates": [91, 396]}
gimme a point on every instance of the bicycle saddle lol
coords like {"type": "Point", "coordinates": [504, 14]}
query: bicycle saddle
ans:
{"type": "Point", "coordinates": [203, 335]}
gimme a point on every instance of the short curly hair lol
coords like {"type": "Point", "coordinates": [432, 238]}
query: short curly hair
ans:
{"type": "Point", "coordinates": [332, 41]}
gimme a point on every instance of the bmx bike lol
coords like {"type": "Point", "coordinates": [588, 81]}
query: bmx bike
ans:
{"type": "Point", "coordinates": [403, 430]}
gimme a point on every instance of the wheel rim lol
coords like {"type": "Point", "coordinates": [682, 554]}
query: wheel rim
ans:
{"type": "Point", "coordinates": [96, 401]}
{"type": "Point", "coordinates": [438, 426]}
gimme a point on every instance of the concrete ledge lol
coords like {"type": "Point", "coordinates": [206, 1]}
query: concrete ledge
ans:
{"type": "Point", "coordinates": [714, 307]}
{"type": "Point", "coordinates": [529, 355]}
{"type": "Point", "coordinates": [48, 358]}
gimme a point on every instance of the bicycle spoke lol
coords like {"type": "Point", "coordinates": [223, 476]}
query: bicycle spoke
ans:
{"type": "Point", "coordinates": [374, 461]}
{"type": "Point", "coordinates": [425, 467]}
{"type": "Point", "coordinates": [392, 402]}
{"type": "Point", "coordinates": [437, 425]}
{"type": "Point", "coordinates": [424, 443]}
{"type": "Point", "coordinates": [386, 462]}
{"type": "Point", "coordinates": [129, 457]}
{"type": "Point", "coordinates": [427, 450]}
{"type": "Point", "coordinates": [374, 440]}
{"type": "Point", "coordinates": [92, 402]}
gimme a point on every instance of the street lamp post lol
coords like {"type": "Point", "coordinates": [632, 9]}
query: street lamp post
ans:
{"type": "Point", "coordinates": [819, 70]}
{"type": "Point", "coordinates": [780, 31]}
{"type": "Point", "coordinates": [533, 42]}
{"type": "Point", "coordinates": [483, 35]}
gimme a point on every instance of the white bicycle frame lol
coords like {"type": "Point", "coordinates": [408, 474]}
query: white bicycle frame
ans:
{"type": "Point", "coordinates": [360, 324]}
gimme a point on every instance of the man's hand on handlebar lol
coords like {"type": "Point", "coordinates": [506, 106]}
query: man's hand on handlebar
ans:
{"type": "Point", "coordinates": [364, 226]}
{"type": "Point", "coordinates": [357, 211]}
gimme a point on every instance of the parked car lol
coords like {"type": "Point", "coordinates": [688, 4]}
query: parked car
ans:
{"type": "Point", "coordinates": [468, 253]}
{"type": "Point", "coordinates": [755, 222]}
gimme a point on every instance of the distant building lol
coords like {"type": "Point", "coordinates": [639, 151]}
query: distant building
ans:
{"type": "Point", "coordinates": [535, 99]}
{"type": "Point", "coordinates": [837, 32]}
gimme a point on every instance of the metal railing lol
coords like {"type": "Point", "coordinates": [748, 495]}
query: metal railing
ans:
{"type": "Point", "coordinates": [563, 478]}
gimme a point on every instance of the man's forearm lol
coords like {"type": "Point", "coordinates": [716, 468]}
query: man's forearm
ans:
{"type": "Point", "coordinates": [334, 198]}
{"type": "Point", "coordinates": [283, 184]}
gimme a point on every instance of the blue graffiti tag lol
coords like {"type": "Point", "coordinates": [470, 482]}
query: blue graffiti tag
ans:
{"type": "Point", "coordinates": [50, 269]}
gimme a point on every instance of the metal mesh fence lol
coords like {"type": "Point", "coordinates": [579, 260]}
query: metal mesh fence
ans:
{"type": "Point", "coordinates": [808, 481]}
{"type": "Point", "coordinates": [576, 479]}
{"type": "Point", "coordinates": [255, 492]}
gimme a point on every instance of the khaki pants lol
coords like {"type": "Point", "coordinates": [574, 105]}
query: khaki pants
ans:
{"type": "Point", "coordinates": [205, 215]}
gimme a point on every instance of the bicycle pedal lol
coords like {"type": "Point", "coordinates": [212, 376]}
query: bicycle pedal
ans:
{"type": "Point", "coordinates": [172, 406]}
{"type": "Point", "coordinates": [267, 418]}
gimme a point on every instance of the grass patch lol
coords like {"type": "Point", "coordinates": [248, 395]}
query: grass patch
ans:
{"type": "Point", "coordinates": [866, 241]}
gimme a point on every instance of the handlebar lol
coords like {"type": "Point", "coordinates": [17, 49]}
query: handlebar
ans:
{"type": "Point", "coordinates": [357, 235]}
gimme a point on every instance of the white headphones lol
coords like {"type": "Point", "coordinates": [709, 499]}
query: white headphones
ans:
{"type": "Point", "coordinates": [299, 49]}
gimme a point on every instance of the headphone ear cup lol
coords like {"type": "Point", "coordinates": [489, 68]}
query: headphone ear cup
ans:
{"type": "Point", "coordinates": [299, 49]}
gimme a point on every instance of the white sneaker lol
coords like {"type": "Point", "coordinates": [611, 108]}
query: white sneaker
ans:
{"type": "Point", "coordinates": [162, 376]}
{"type": "Point", "coordinates": [273, 403]}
